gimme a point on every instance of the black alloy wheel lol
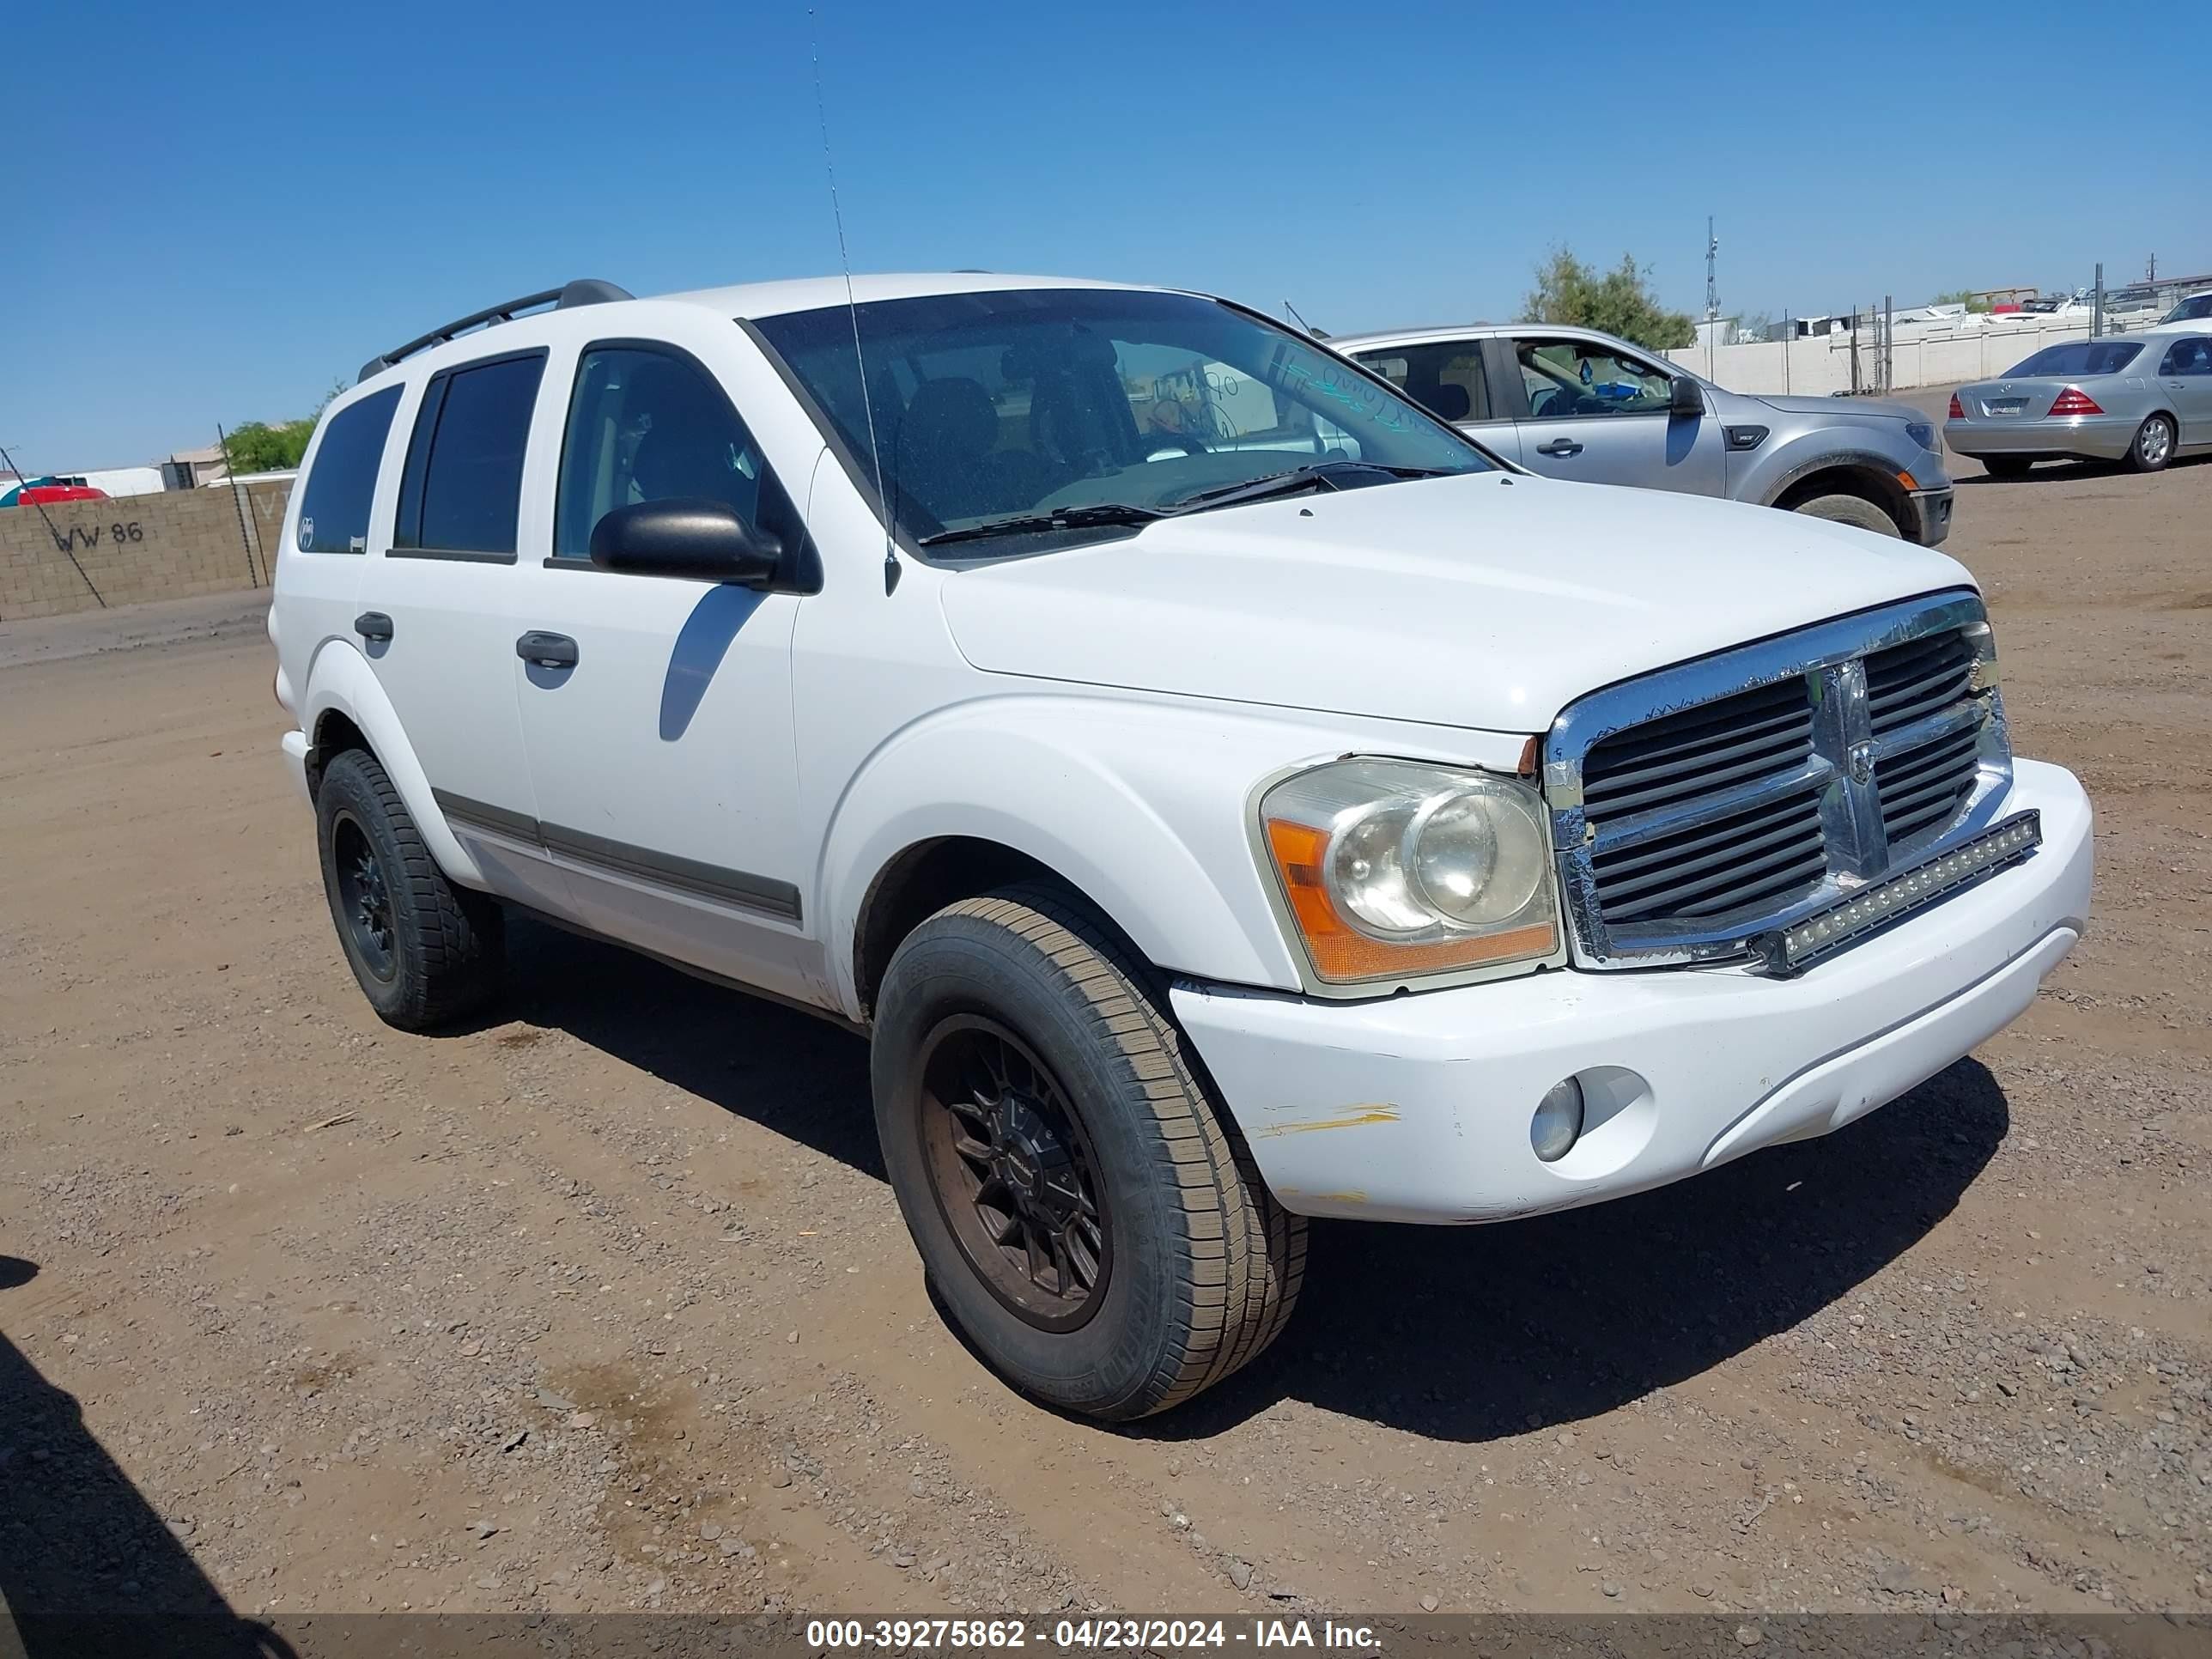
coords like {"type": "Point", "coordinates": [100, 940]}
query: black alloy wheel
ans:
{"type": "Point", "coordinates": [365, 897]}
{"type": "Point", "coordinates": [1012, 1173]}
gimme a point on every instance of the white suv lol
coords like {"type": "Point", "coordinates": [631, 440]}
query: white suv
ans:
{"type": "Point", "coordinates": [1222, 793]}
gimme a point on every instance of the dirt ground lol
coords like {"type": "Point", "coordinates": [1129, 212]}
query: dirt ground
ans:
{"type": "Point", "coordinates": [605, 1305]}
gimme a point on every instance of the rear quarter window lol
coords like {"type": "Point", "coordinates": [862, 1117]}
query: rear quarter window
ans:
{"type": "Point", "coordinates": [334, 500]}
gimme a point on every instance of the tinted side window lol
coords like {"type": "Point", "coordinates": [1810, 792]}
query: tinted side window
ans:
{"type": "Point", "coordinates": [462, 490]}
{"type": "Point", "coordinates": [1445, 377]}
{"type": "Point", "coordinates": [648, 424]}
{"type": "Point", "coordinates": [2188, 357]}
{"type": "Point", "coordinates": [334, 500]}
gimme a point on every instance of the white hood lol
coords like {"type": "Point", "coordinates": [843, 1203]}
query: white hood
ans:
{"type": "Point", "coordinates": [1467, 601]}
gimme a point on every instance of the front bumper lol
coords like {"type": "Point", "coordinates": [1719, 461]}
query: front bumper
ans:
{"type": "Point", "coordinates": [2104, 437]}
{"type": "Point", "coordinates": [1931, 511]}
{"type": "Point", "coordinates": [1417, 1108]}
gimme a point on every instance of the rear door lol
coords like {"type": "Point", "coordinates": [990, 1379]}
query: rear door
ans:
{"type": "Point", "coordinates": [441, 608]}
{"type": "Point", "coordinates": [2186, 374]}
{"type": "Point", "coordinates": [1594, 411]}
{"type": "Point", "coordinates": [1449, 378]}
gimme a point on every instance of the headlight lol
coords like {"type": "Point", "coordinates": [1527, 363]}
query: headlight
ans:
{"type": "Point", "coordinates": [1391, 868]}
{"type": "Point", "coordinates": [1921, 433]}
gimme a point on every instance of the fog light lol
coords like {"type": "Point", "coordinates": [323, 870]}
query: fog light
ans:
{"type": "Point", "coordinates": [1558, 1121]}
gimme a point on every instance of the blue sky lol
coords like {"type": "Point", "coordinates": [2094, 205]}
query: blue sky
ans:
{"type": "Point", "coordinates": [214, 215]}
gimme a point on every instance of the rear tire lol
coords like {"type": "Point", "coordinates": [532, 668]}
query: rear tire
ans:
{"type": "Point", "coordinates": [2006, 466]}
{"type": "Point", "coordinates": [1083, 1205]}
{"type": "Point", "coordinates": [1854, 510]}
{"type": "Point", "coordinates": [2153, 445]}
{"type": "Point", "coordinates": [424, 951]}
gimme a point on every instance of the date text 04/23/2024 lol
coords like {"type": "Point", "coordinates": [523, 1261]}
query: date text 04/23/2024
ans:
{"type": "Point", "coordinates": [1098, 1634]}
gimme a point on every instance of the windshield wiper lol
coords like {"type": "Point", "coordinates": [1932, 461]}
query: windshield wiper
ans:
{"type": "Point", "coordinates": [1320, 475]}
{"type": "Point", "coordinates": [1037, 523]}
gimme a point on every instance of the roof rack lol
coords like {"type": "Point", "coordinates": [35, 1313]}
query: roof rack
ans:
{"type": "Point", "coordinates": [584, 291]}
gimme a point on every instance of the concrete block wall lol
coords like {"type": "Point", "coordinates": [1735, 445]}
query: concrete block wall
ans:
{"type": "Point", "coordinates": [135, 547]}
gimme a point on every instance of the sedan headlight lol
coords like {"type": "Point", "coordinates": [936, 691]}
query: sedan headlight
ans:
{"type": "Point", "coordinates": [1389, 868]}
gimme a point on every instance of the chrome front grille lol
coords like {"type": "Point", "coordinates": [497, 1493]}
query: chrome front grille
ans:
{"type": "Point", "coordinates": [1679, 756]}
{"type": "Point", "coordinates": [1699, 807]}
{"type": "Point", "coordinates": [1767, 853]}
{"type": "Point", "coordinates": [1922, 787]}
{"type": "Point", "coordinates": [1657, 853]}
{"type": "Point", "coordinates": [1907, 681]}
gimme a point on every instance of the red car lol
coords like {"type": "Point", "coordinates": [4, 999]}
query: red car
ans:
{"type": "Point", "coordinates": [46, 491]}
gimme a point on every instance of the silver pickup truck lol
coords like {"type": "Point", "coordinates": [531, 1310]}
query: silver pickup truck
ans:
{"type": "Point", "coordinates": [1579, 405]}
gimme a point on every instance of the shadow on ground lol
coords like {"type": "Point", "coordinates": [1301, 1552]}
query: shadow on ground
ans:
{"type": "Point", "coordinates": [87, 1566]}
{"type": "Point", "coordinates": [1460, 1334]}
{"type": "Point", "coordinates": [2062, 471]}
{"type": "Point", "coordinates": [790, 1072]}
{"type": "Point", "coordinates": [1468, 1334]}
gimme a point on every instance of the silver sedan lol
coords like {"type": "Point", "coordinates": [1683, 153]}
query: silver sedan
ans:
{"type": "Point", "coordinates": [2141, 399]}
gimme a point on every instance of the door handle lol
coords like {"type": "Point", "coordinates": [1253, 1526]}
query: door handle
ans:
{"type": "Point", "coordinates": [1560, 446]}
{"type": "Point", "coordinates": [373, 625]}
{"type": "Point", "coordinates": [544, 650]}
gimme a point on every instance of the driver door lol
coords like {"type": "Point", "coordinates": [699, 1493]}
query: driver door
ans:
{"type": "Point", "coordinates": [656, 710]}
{"type": "Point", "coordinates": [1593, 412]}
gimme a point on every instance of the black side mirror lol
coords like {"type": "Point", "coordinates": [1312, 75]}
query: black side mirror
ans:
{"type": "Point", "coordinates": [686, 536]}
{"type": "Point", "coordinates": [1685, 398]}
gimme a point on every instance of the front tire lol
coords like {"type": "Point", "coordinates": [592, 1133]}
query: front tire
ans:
{"type": "Point", "coordinates": [1083, 1204]}
{"type": "Point", "coordinates": [1854, 510]}
{"type": "Point", "coordinates": [2153, 445]}
{"type": "Point", "coordinates": [424, 951]}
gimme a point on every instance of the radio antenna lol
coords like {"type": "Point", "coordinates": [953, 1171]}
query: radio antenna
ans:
{"type": "Point", "coordinates": [852, 310]}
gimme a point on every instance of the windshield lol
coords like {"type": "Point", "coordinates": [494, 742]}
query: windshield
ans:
{"type": "Point", "coordinates": [1029, 404]}
{"type": "Point", "coordinates": [2195, 307]}
{"type": "Point", "coordinates": [2076, 358]}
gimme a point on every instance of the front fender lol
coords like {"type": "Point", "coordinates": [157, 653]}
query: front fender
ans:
{"type": "Point", "coordinates": [1773, 472]}
{"type": "Point", "coordinates": [1141, 806]}
{"type": "Point", "coordinates": [341, 681]}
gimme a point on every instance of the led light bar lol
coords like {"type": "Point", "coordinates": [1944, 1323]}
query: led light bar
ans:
{"type": "Point", "coordinates": [1787, 949]}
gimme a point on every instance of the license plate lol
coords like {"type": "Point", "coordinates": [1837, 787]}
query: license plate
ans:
{"type": "Point", "coordinates": [2005, 406]}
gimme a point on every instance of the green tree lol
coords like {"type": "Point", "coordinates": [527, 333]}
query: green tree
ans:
{"type": "Point", "coordinates": [1618, 301]}
{"type": "Point", "coordinates": [1960, 297]}
{"type": "Point", "coordinates": [258, 447]}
